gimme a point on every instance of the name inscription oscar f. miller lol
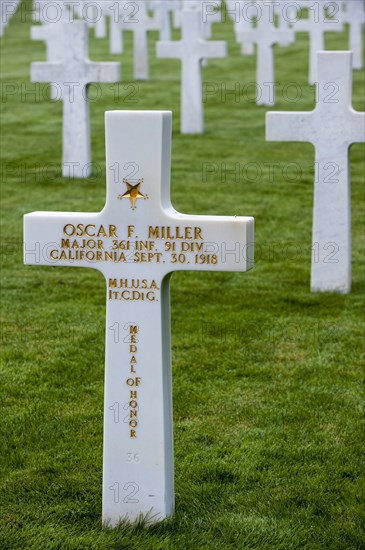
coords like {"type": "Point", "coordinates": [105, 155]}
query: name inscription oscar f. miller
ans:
{"type": "Point", "coordinates": [110, 244]}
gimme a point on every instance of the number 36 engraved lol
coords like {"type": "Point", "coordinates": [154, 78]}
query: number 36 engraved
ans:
{"type": "Point", "coordinates": [133, 457]}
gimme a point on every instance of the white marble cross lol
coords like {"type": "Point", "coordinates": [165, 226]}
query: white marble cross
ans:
{"type": "Point", "coordinates": [353, 13]}
{"type": "Point", "coordinates": [137, 241]}
{"type": "Point", "coordinates": [208, 15]}
{"type": "Point", "coordinates": [140, 23]}
{"type": "Point", "coordinates": [191, 49]}
{"type": "Point", "coordinates": [238, 10]}
{"type": "Point", "coordinates": [332, 127]}
{"type": "Point", "coordinates": [72, 75]}
{"type": "Point", "coordinates": [265, 35]}
{"type": "Point", "coordinates": [162, 10]}
{"type": "Point", "coordinates": [317, 24]}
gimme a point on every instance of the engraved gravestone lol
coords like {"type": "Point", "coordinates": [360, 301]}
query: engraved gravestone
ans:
{"type": "Point", "coordinates": [191, 49]}
{"type": "Point", "coordinates": [137, 241]}
{"type": "Point", "coordinates": [72, 75]}
{"type": "Point", "coordinates": [332, 127]}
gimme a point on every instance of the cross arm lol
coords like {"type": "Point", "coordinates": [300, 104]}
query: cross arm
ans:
{"type": "Point", "coordinates": [43, 71]}
{"type": "Point", "coordinates": [302, 25]}
{"type": "Point", "coordinates": [213, 243]}
{"type": "Point", "coordinates": [324, 25]}
{"type": "Point", "coordinates": [216, 48]}
{"type": "Point", "coordinates": [169, 49]}
{"type": "Point", "coordinates": [48, 234]}
{"type": "Point", "coordinates": [289, 126]}
{"type": "Point", "coordinates": [357, 126]}
{"type": "Point", "coordinates": [104, 72]}
{"type": "Point", "coordinates": [333, 25]}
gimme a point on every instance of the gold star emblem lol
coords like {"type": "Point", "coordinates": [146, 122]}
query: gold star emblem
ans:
{"type": "Point", "coordinates": [133, 193]}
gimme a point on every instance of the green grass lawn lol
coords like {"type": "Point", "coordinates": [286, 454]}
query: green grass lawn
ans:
{"type": "Point", "coordinates": [267, 377]}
